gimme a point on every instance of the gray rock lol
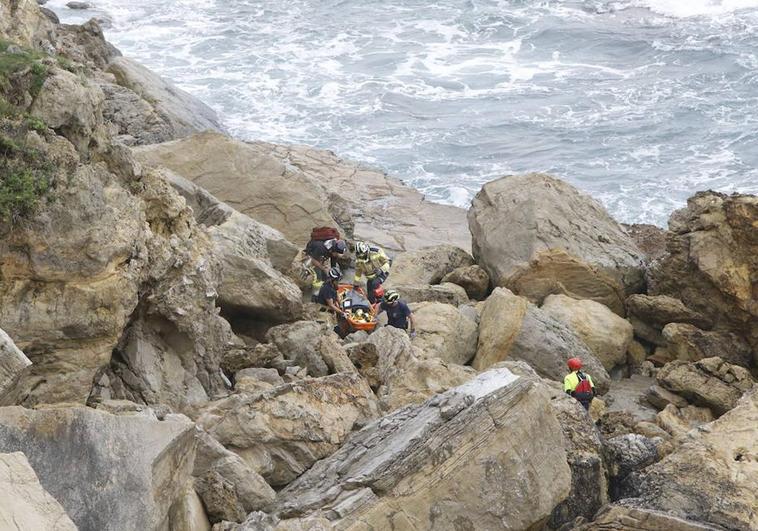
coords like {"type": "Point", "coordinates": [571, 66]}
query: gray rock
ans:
{"type": "Point", "coordinates": [538, 235]}
{"type": "Point", "coordinates": [88, 460]}
{"type": "Point", "coordinates": [474, 279]}
{"type": "Point", "coordinates": [228, 487]}
{"type": "Point", "coordinates": [79, 5]}
{"type": "Point", "coordinates": [660, 397]}
{"type": "Point", "coordinates": [513, 328]}
{"type": "Point", "coordinates": [13, 363]}
{"type": "Point", "coordinates": [281, 432]}
{"type": "Point", "coordinates": [25, 504]}
{"type": "Point", "coordinates": [446, 293]}
{"type": "Point", "coordinates": [427, 265]}
{"type": "Point", "coordinates": [627, 454]}
{"type": "Point", "coordinates": [484, 463]}
{"type": "Point", "coordinates": [176, 113]}
{"type": "Point", "coordinates": [689, 343]}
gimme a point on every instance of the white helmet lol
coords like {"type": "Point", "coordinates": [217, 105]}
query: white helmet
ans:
{"type": "Point", "coordinates": [361, 248]}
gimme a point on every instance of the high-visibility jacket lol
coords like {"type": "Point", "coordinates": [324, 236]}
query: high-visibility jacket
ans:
{"type": "Point", "coordinates": [572, 380]}
{"type": "Point", "coordinates": [377, 259]}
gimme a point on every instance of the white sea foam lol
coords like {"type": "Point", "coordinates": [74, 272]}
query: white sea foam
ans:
{"type": "Point", "coordinates": [637, 102]}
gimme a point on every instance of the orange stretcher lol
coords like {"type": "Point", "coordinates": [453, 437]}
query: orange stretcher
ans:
{"type": "Point", "coordinates": [360, 313]}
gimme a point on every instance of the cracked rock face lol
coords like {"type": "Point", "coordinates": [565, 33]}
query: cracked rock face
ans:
{"type": "Point", "coordinates": [487, 455]}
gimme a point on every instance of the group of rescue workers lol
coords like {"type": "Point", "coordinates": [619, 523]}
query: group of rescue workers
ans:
{"type": "Point", "coordinates": [326, 251]}
{"type": "Point", "coordinates": [372, 267]}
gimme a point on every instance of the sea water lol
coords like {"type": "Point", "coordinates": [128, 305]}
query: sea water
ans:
{"type": "Point", "coordinates": [637, 102]}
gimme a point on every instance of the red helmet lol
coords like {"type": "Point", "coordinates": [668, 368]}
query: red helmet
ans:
{"type": "Point", "coordinates": [574, 364]}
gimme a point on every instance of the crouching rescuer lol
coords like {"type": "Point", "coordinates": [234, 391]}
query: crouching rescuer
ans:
{"type": "Point", "coordinates": [579, 384]}
{"type": "Point", "coordinates": [372, 264]}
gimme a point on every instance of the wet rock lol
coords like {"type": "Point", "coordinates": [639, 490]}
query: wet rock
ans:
{"type": "Point", "coordinates": [539, 236]}
{"type": "Point", "coordinates": [627, 454]}
{"type": "Point", "coordinates": [649, 314]}
{"type": "Point", "coordinates": [281, 432]}
{"type": "Point", "coordinates": [444, 332]}
{"type": "Point", "coordinates": [474, 279]}
{"type": "Point", "coordinates": [513, 328]}
{"type": "Point", "coordinates": [606, 334]}
{"type": "Point", "coordinates": [711, 382]}
{"type": "Point", "coordinates": [462, 468]}
{"type": "Point", "coordinates": [79, 5]}
{"type": "Point", "coordinates": [88, 459]}
{"type": "Point", "coordinates": [25, 504]}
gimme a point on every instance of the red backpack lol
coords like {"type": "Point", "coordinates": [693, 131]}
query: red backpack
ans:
{"type": "Point", "coordinates": [584, 387]}
{"type": "Point", "coordinates": [321, 234]}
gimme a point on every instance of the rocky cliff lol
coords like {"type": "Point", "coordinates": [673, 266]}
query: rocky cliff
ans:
{"type": "Point", "coordinates": [160, 367]}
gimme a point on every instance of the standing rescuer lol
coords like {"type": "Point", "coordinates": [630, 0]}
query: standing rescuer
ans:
{"type": "Point", "coordinates": [399, 314]}
{"type": "Point", "coordinates": [578, 384]}
{"type": "Point", "coordinates": [327, 296]}
{"type": "Point", "coordinates": [372, 263]}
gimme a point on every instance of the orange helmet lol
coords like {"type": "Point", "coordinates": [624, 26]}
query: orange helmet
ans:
{"type": "Point", "coordinates": [574, 364]}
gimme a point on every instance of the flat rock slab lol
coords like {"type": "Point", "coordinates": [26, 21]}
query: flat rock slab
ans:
{"type": "Point", "coordinates": [107, 471]}
{"type": "Point", "coordinates": [487, 455]}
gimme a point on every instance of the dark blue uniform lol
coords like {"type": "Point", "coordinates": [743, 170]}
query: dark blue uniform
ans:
{"type": "Point", "coordinates": [397, 315]}
{"type": "Point", "coordinates": [327, 291]}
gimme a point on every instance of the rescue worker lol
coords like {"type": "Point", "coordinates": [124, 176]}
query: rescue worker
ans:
{"type": "Point", "coordinates": [579, 384]}
{"type": "Point", "coordinates": [372, 263]}
{"type": "Point", "coordinates": [323, 255]}
{"type": "Point", "coordinates": [327, 296]}
{"type": "Point", "coordinates": [399, 314]}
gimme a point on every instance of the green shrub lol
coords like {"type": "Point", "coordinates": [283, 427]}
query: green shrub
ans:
{"type": "Point", "coordinates": [32, 122]}
{"type": "Point", "coordinates": [21, 189]}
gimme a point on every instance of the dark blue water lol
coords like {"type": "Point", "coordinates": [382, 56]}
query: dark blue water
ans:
{"type": "Point", "coordinates": [639, 103]}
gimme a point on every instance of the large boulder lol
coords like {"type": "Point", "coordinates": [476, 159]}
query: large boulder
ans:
{"type": "Point", "coordinates": [162, 112]}
{"type": "Point", "coordinates": [25, 504]}
{"type": "Point", "coordinates": [310, 345]}
{"type": "Point", "coordinates": [444, 332]}
{"type": "Point", "coordinates": [88, 459]}
{"type": "Point", "coordinates": [626, 454]}
{"type": "Point", "coordinates": [427, 265]}
{"type": "Point", "coordinates": [649, 314]}
{"type": "Point", "coordinates": [712, 262]}
{"type": "Point", "coordinates": [538, 236]}
{"type": "Point", "coordinates": [281, 432]}
{"type": "Point", "coordinates": [13, 363]}
{"type": "Point", "coordinates": [228, 487]}
{"type": "Point", "coordinates": [513, 328]}
{"type": "Point", "coordinates": [606, 334]}
{"type": "Point", "coordinates": [486, 455]}
{"type": "Point", "coordinates": [689, 343]}
{"type": "Point", "coordinates": [403, 374]}
{"type": "Point", "coordinates": [249, 179]}
{"type": "Point", "coordinates": [379, 208]}
{"type": "Point", "coordinates": [474, 279]}
{"type": "Point", "coordinates": [712, 477]}
{"type": "Point", "coordinates": [711, 382]}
